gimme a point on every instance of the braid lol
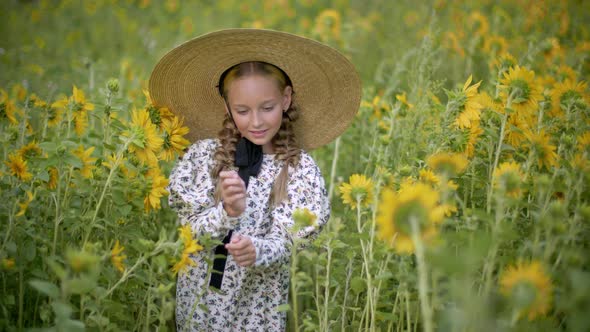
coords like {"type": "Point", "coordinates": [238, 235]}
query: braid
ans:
{"type": "Point", "coordinates": [225, 153]}
{"type": "Point", "coordinates": [286, 150]}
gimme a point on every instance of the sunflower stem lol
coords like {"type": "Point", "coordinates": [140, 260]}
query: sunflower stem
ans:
{"type": "Point", "coordinates": [114, 167]}
{"type": "Point", "coordinates": [294, 310]}
{"type": "Point", "coordinates": [426, 309]}
{"type": "Point", "coordinates": [333, 168]}
{"type": "Point", "coordinates": [498, 150]}
{"type": "Point", "coordinates": [367, 263]}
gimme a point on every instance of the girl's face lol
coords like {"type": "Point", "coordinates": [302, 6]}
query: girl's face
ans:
{"type": "Point", "coordinates": [257, 105]}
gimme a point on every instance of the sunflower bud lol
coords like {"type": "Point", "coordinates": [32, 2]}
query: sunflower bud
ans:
{"type": "Point", "coordinates": [113, 85]}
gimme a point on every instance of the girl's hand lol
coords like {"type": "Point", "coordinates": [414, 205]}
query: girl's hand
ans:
{"type": "Point", "coordinates": [233, 193]}
{"type": "Point", "coordinates": [242, 249]}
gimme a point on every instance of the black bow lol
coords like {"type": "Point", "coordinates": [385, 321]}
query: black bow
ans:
{"type": "Point", "coordinates": [248, 159]}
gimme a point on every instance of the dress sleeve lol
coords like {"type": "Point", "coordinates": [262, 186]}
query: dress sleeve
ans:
{"type": "Point", "coordinates": [306, 189]}
{"type": "Point", "coordinates": [192, 193]}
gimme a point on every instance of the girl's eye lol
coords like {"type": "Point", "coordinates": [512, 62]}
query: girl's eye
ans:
{"type": "Point", "coordinates": [269, 108]}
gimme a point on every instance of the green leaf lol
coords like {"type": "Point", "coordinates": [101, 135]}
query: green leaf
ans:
{"type": "Point", "coordinates": [80, 285]}
{"type": "Point", "coordinates": [43, 175]}
{"type": "Point", "coordinates": [48, 146]}
{"type": "Point", "coordinates": [357, 284]}
{"type": "Point", "coordinates": [46, 288]}
{"type": "Point", "coordinates": [29, 251]}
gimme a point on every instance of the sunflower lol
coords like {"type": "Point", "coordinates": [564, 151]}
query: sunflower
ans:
{"type": "Point", "coordinates": [80, 108]}
{"type": "Point", "coordinates": [504, 62]}
{"type": "Point", "coordinates": [474, 132]}
{"type": "Point", "coordinates": [566, 73]}
{"type": "Point", "coordinates": [25, 204]}
{"type": "Point", "coordinates": [470, 104]}
{"type": "Point", "coordinates": [379, 107]}
{"type": "Point", "coordinates": [18, 167]}
{"type": "Point", "coordinates": [583, 141]}
{"type": "Point", "coordinates": [86, 159]}
{"type": "Point", "coordinates": [530, 289]}
{"type": "Point", "coordinates": [403, 99]}
{"type": "Point", "coordinates": [525, 92]}
{"type": "Point", "coordinates": [157, 189]}
{"type": "Point", "coordinates": [53, 178]}
{"type": "Point", "coordinates": [495, 44]}
{"type": "Point", "coordinates": [448, 163]}
{"type": "Point", "coordinates": [479, 22]}
{"type": "Point", "coordinates": [174, 141]}
{"type": "Point", "coordinates": [190, 246]}
{"type": "Point", "coordinates": [117, 258]}
{"type": "Point", "coordinates": [487, 102]}
{"type": "Point", "coordinates": [19, 91]}
{"type": "Point", "coordinates": [359, 188]}
{"type": "Point", "coordinates": [54, 115]}
{"type": "Point", "coordinates": [30, 150]}
{"type": "Point", "coordinates": [540, 145]}
{"type": "Point", "coordinates": [517, 130]}
{"type": "Point", "coordinates": [507, 177]}
{"type": "Point", "coordinates": [427, 176]}
{"type": "Point", "coordinates": [565, 95]}
{"type": "Point", "coordinates": [327, 24]}
{"type": "Point", "coordinates": [7, 108]}
{"type": "Point", "coordinates": [145, 141]}
{"type": "Point", "coordinates": [7, 264]}
{"type": "Point", "coordinates": [397, 211]}
{"type": "Point", "coordinates": [157, 114]}
{"type": "Point", "coordinates": [580, 162]}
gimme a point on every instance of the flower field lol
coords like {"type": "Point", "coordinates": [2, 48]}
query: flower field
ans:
{"type": "Point", "coordinates": [460, 194]}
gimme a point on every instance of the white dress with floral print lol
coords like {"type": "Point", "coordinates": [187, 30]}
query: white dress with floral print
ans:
{"type": "Point", "coordinates": [249, 296]}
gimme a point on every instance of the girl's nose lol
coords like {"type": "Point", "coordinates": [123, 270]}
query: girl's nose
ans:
{"type": "Point", "coordinates": [256, 119]}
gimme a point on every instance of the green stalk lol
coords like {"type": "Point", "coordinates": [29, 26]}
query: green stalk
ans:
{"type": "Point", "coordinates": [491, 261]}
{"type": "Point", "coordinates": [295, 308]}
{"type": "Point", "coordinates": [498, 150]}
{"type": "Point", "coordinates": [422, 277]}
{"type": "Point", "coordinates": [21, 300]}
{"type": "Point", "coordinates": [148, 303]}
{"type": "Point", "coordinates": [333, 169]}
{"type": "Point", "coordinates": [408, 318]}
{"type": "Point", "coordinates": [367, 266]}
{"type": "Point", "coordinates": [327, 287]}
{"type": "Point", "coordinates": [106, 186]}
{"type": "Point", "coordinates": [346, 288]}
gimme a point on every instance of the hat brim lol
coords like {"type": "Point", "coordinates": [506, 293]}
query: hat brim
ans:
{"type": "Point", "coordinates": [326, 85]}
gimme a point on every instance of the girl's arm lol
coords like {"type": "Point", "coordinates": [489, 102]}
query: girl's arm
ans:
{"type": "Point", "coordinates": [306, 189]}
{"type": "Point", "coordinates": [191, 193]}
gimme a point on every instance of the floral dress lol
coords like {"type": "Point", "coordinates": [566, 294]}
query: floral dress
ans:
{"type": "Point", "coordinates": [249, 296]}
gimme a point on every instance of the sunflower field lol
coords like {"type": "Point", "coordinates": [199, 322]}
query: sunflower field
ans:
{"type": "Point", "coordinates": [460, 194]}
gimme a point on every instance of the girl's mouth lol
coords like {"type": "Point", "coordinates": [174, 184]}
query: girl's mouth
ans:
{"type": "Point", "coordinates": [259, 133]}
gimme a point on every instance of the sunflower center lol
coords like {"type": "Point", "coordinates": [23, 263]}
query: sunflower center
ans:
{"type": "Point", "coordinates": [402, 217]}
{"type": "Point", "coordinates": [524, 294]}
{"type": "Point", "coordinates": [78, 107]}
{"type": "Point", "coordinates": [52, 114]}
{"type": "Point", "coordinates": [167, 142]}
{"type": "Point", "coordinates": [521, 90]}
{"type": "Point", "coordinates": [155, 116]}
{"type": "Point", "coordinates": [569, 97]}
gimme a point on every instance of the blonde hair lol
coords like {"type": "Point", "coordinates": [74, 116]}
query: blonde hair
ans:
{"type": "Point", "coordinates": [284, 143]}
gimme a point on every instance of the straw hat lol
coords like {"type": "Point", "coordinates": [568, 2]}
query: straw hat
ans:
{"type": "Point", "coordinates": [326, 85]}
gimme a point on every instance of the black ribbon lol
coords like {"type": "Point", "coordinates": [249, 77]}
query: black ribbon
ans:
{"type": "Point", "coordinates": [248, 159]}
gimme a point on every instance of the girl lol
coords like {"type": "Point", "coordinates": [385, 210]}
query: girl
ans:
{"type": "Point", "coordinates": [243, 185]}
